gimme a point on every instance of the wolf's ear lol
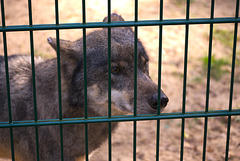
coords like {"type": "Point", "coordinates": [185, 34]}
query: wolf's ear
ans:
{"type": "Point", "coordinates": [114, 17]}
{"type": "Point", "coordinates": [69, 55]}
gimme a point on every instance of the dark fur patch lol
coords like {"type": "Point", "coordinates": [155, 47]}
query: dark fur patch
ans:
{"type": "Point", "coordinates": [3, 96]}
{"type": "Point", "coordinates": [76, 96]}
{"type": "Point", "coordinates": [1, 59]}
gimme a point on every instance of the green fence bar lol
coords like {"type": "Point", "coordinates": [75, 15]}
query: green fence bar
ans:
{"type": "Point", "coordinates": [109, 60]}
{"type": "Point", "coordinates": [135, 58]}
{"type": "Point", "coordinates": [59, 77]}
{"type": "Point", "coordinates": [7, 79]}
{"type": "Point", "coordinates": [205, 138]}
{"type": "Point", "coordinates": [109, 85]}
{"type": "Point", "coordinates": [164, 116]}
{"type": "Point", "coordinates": [33, 77]}
{"type": "Point", "coordinates": [185, 79]}
{"type": "Point", "coordinates": [84, 59]}
{"type": "Point", "coordinates": [85, 77]}
{"type": "Point", "coordinates": [58, 60]}
{"type": "Point", "coordinates": [208, 80]}
{"type": "Point", "coordinates": [32, 62]}
{"type": "Point", "coordinates": [159, 79]}
{"type": "Point", "coordinates": [135, 83]}
{"type": "Point", "coordinates": [232, 80]}
{"type": "Point", "coordinates": [121, 24]}
{"type": "Point", "coordinates": [160, 58]}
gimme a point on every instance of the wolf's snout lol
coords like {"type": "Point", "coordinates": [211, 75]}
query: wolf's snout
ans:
{"type": "Point", "coordinates": [153, 102]}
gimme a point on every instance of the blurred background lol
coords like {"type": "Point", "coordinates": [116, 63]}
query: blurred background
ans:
{"type": "Point", "coordinates": [70, 11]}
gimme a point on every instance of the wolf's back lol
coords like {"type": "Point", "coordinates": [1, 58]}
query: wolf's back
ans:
{"type": "Point", "coordinates": [2, 92]}
{"type": "Point", "coordinates": [20, 75]}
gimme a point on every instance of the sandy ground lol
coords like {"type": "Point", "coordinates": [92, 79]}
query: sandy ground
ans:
{"type": "Point", "coordinates": [172, 73]}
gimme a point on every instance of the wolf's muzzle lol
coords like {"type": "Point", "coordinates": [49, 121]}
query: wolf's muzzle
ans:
{"type": "Point", "coordinates": [153, 102]}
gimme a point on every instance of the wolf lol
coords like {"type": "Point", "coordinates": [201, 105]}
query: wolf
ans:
{"type": "Point", "coordinates": [72, 90]}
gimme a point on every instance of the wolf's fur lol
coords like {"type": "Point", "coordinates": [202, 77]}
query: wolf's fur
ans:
{"type": "Point", "coordinates": [72, 79]}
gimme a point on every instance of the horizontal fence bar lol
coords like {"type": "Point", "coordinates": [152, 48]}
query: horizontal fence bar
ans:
{"type": "Point", "coordinates": [119, 24]}
{"type": "Point", "coordinates": [198, 114]}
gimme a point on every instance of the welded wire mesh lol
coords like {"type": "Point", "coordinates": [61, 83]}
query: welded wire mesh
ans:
{"type": "Point", "coordinates": [135, 118]}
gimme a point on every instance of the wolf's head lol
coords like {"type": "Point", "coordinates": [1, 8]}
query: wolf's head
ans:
{"type": "Point", "coordinates": [122, 72]}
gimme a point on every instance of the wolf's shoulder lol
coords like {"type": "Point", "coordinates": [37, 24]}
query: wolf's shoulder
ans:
{"type": "Point", "coordinates": [23, 61]}
{"type": "Point", "coordinates": [21, 64]}
{"type": "Point", "coordinates": [19, 67]}
{"type": "Point", "coordinates": [20, 60]}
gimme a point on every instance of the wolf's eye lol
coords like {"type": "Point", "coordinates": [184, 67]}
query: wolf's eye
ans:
{"type": "Point", "coordinates": [115, 70]}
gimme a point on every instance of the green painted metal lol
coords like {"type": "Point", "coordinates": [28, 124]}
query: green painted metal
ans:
{"type": "Point", "coordinates": [159, 79]}
{"type": "Point", "coordinates": [135, 83]}
{"type": "Point", "coordinates": [124, 118]}
{"type": "Point", "coordinates": [193, 21]}
{"type": "Point", "coordinates": [109, 62]}
{"type": "Point", "coordinates": [7, 80]}
{"type": "Point", "coordinates": [135, 117]}
{"type": "Point", "coordinates": [232, 79]}
{"type": "Point", "coordinates": [33, 77]}
{"type": "Point", "coordinates": [85, 78]}
{"type": "Point", "coordinates": [59, 77]}
{"type": "Point", "coordinates": [109, 84]}
{"type": "Point", "coordinates": [185, 79]}
{"type": "Point", "coordinates": [208, 80]}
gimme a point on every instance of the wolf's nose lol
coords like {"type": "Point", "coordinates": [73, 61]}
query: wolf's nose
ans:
{"type": "Point", "coordinates": [154, 101]}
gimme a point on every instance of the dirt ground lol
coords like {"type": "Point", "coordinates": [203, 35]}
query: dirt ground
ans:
{"type": "Point", "coordinates": [172, 72]}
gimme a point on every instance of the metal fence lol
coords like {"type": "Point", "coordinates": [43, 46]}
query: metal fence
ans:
{"type": "Point", "coordinates": [136, 23]}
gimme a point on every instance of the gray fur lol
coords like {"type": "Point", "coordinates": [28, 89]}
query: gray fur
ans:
{"type": "Point", "coordinates": [72, 79]}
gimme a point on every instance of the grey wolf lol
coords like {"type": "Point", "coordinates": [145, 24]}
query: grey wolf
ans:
{"type": "Point", "coordinates": [72, 83]}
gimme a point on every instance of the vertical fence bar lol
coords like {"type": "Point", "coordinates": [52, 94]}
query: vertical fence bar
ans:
{"type": "Point", "coordinates": [7, 79]}
{"type": "Point", "coordinates": [109, 60]}
{"type": "Point", "coordinates": [85, 77]}
{"type": "Point", "coordinates": [59, 76]}
{"type": "Point", "coordinates": [33, 77]}
{"type": "Point", "coordinates": [158, 140]}
{"type": "Point", "coordinates": [84, 58]}
{"type": "Point", "coordinates": [232, 80]}
{"type": "Point", "coordinates": [135, 83]}
{"type": "Point", "coordinates": [135, 58]}
{"type": "Point", "coordinates": [109, 84]}
{"type": "Point", "coordinates": [185, 78]}
{"type": "Point", "coordinates": [208, 80]}
{"type": "Point", "coordinates": [159, 79]}
{"type": "Point", "coordinates": [160, 58]}
{"type": "Point", "coordinates": [205, 138]}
